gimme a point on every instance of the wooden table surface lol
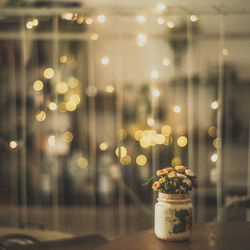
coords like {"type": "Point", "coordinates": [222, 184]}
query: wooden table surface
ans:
{"type": "Point", "coordinates": [214, 236]}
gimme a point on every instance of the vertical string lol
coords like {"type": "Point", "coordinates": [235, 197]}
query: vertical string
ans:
{"type": "Point", "coordinates": [55, 171]}
{"type": "Point", "coordinates": [92, 127]}
{"type": "Point", "coordinates": [190, 101]}
{"type": "Point", "coordinates": [219, 166]}
{"type": "Point", "coordinates": [190, 95]}
{"type": "Point", "coordinates": [23, 154]}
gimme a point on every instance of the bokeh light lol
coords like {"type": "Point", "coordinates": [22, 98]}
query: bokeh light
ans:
{"type": "Point", "coordinates": [67, 136]}
{"type": "Point", "coordinates": [41, 116]}
{"type": "Point", "coordinates": [71, 105]}
{"type": "Point", "coordinates": [52, 140]}
{"type": "Point", "coordinates": [121, 151]}
{"type": "Point", "coordinates": [150, 122]}
{"type": "Point", "coordinates": [212, 131]}
{"type": "Point", "coordinates": [52, 106]}
{"type": "Point", "coordinates": [176, 161]}
{"type": "Point", "coordinates": [154, 74]}
{"type": "Point", "coordinates": [73, 82]}
{"type": "Point", "coordinates": [48, 73]}
{"type": "Point", "coordinates": [103, 146]}
{"type": "Point", "coordinates": [105, 60]}
{"type": "Point", "coordinates": [61, 87]}
{"type": "Point", "coordinates": [166, 130]}
{"type": "Point", "coordinates": [82, 162]}
{"type": "Point", "coordinates": [138, 135]}
{"type": "Point", "coordinates": [182, 141]}
{"type": "Point", "coordinates": [177, 109]}
{"type": "Point", "coordinates": [126, 160]}
{"type": "Point", "coordinates": [214, 157]}
{"type": "Point", "coordinates": [141, 160]}
{"type": "Point", "coordinates": [214, 105]}
{"type": "Point", "coordinates": [101, 18]}
{"type": "Point", "coordinates": [38, 85]}
{"type": "Point", "coordinates": [13, 144]}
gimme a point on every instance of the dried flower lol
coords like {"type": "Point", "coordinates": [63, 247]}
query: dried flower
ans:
{"type": "Point", "coordinates": [171, 174]}
{"type": "Point", "coordinates": [162, 172]}
{"type": "Point", "coordinates": [156, 185]}
{"type": "Point", "coordinates": [182, 176]}
{"type": "Point", "coordinates": [178, 180]}
{"type": "Point", "coordinates": [187, 181]}
{"type": "Point", "coordinates": [180, 168]}
{"type": "Point", "coordinates": [162, 179]}
{"type": "Point", "coordinates": [188, 172]}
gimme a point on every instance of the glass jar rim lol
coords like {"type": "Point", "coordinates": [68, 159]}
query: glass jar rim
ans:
{"type": "Point", "coordinates": [173, 197]}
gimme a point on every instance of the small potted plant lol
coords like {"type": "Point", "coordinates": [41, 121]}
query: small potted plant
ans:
{"type": "Point", "coordinates": [173, 211]}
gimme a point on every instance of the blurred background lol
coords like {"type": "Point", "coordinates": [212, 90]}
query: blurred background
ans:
{"type": "Point", "coordinates": [97, 95]}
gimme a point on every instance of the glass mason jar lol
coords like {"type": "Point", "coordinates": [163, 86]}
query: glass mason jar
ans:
{"type": "Point", "coordinates": [173, 216]}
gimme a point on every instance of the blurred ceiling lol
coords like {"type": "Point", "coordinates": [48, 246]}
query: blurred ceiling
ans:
{"type": "Point", "coordinates": [189, 6]}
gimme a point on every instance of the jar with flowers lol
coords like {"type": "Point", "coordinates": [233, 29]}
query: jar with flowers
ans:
{"type": "Point", "coordinates": [173, 211]}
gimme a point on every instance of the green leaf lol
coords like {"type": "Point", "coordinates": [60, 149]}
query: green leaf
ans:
{"type": "Point", "coordinates": [148, 180]}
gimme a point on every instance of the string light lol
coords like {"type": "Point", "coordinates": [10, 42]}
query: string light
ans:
{"type": "Point", "coordinates": [52, 106]}
{"type": "Point", "coordinates": [126, 160]}
{"type": "Point", "coordinates": [35, 22]}
{"type": "Point", "coordinates": [214, 105]}
{"type": "Point", "coordinates": [29, 25]}
{"type": "Point", "coordinates": [38, 85]}
{"type": "Point", "coordinates": [150, 122]}
{"type": "Point", "coordinates": [212, 131]}
{"type": "Point", "coordinates": [177, 109]}
{"type": "Point", "coordinates": [73, 82]}
{"type": "Point", "coordinates": [138, 135]}
{"type": "Point", "coordinates": [170, 24]}
{"type": "Point", "coordinates": [75, 98]}
{"type": "Point", "coordinates": [13, 144]}
{"type": "Point", "coordinates": [82, 162]}
{"type": "Point", "coordinates": [63, 59]}
{"type": "Point", "coordinates": [165, 61]}
{"type": "Point", "coordinates": [105, 60]}
{"type": "Point", "coordinates": [194, 18]}
{"type": "Point", "coordinates": [71, 105]}
{"type": "Point", "coordinates": [121, 151]}
{"type": "Point", "coordinates": [141, 40]}
{"type": "Point", "coordinates": [67, 136]}
{"type": "Point", "coordinates": [103, 146]}
{"type": "Point", "coordinates": [80, 19]}
{"type": "Point", "coordinates": [154, 74]}
{"type": "Point", "coordinates": [156, 92]}
{"type": "Point", "coordinates": [94, 36]}
{"type": "Point", "coordinates": [166, 130]}
{"type": "Point", "coordinates": [62, 87]}
{"type": "Point", "coordinates": [89, 20]}
{"type": "Point", "coordinates": [217, 143]}
{"type": "Point", "coordinates": [160, 139]}
{"type": "Point", "coordinates": [161, 7]}
{"type": "Point", "coordinates": [109, 89]}
{"type": "Point", "coordinates": [41, 116]}
{"type": "Point", "coordinates": [160, 20]}
{"type": "Point", "coordinates": [176, 161]}
{"type": "Point", "coordinates": [182, 141]}
{"type": "Point", "coordinates": [91, 91]}
{"type": "Point", "coordinates": [168, 140]}
{"type": "Point", "coordinates": [48, 73]}
{"type": "Point", "coordinates": [52, 140]}
{"type": "Point", "coordinates": [214, 157]}
{"type": "Point", "coordinates": [101, 18]}
{"type": "Point", "coordinates": [141, 19]}
{"type": "Point", "coordinates": [141, 160]}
